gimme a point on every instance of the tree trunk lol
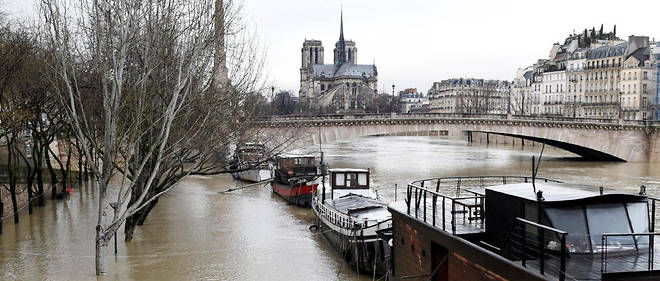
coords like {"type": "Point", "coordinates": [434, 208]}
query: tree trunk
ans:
{"type": "Point", "coordinates": [12, 181]}
{"type": "Point", "coordinates": [80, 163]}
{"type": "Point", "coordinates": [30, 180]}
{"type": "Point", "coordinates": [101, 249]}
{"type": "Point", "coordinates": [137, 219]}
{"type": "Point", "coordinates": [53, 176]}
{"type": "Point", "coordinates": [38, 153]}
{"type": "Point", "coordinates": [65, 174]}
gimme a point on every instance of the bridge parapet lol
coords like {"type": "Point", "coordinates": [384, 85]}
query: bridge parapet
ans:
{"type": "Point", "coordinates": [458, 116]}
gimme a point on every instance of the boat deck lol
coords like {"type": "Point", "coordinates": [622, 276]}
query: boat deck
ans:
{"type": "Point", "coordinates": [466, 220]}
{"type": "Point", "coordinates": [588, 266]}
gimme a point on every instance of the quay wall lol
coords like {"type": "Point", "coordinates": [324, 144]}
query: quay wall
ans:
{"type": "Point", "coordinates": [21, 199]}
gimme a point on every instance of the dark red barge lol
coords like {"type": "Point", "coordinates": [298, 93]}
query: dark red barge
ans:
{"type": "Point", "coordinates": [296, 178]}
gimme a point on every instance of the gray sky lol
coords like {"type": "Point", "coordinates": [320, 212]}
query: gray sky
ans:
{"type": "Point", "coordinates": [417, 42]}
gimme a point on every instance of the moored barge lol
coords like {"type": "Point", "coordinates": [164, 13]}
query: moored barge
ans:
{"type": "Point", "coordinates": [251, 162]}
{"type": "Point", "coordinates": [296, 178]}
{"type": "Point", "coordinates": [522, 228]}
{"type": "Point", "coordinates": [353, 220]}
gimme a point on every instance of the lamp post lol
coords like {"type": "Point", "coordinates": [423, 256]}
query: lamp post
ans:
{"type": "Point", "coordinates": [392, 103]}
{"type": "Point", "coordinates": [272, 99]}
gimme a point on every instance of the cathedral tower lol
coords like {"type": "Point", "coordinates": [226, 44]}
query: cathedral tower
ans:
{"type": "Point", "coordinates": [312, 53]}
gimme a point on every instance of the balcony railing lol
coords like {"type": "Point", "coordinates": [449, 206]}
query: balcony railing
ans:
{"type": "Point", "coordinates": [588, 67]}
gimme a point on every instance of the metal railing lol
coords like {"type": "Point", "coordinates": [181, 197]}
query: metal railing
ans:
{"type": "Point", "coordinates": [540, 247]}
{"type": "Point", "coordinates": [431, 199]}
{"type": "Point", "coordinates": [628, 252]}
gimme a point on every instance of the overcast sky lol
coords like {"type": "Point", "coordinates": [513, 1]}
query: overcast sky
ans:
{"type": "Point", "coordinates": [417, 42]}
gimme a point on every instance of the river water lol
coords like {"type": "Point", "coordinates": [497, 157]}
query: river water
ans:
{"type": "Point", "coordinates": [198, 233]}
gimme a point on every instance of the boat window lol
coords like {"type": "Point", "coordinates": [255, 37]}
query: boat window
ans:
{"type": "Point", "coordinates": [639, 218]}
{"type": "Point", "coordinates": [340, 180]}
{"type": "Point", "coordinates": [571, 220]}
{"type": "Point", "coordinates": [362, 179]}
{"type": "Point", "coordinates": [351, 179]}
{"type": "Point", "coordinates": [609, 218]}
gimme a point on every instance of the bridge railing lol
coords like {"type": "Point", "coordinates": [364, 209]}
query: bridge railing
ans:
{"type": "Point", "coordinates": [404, 116]}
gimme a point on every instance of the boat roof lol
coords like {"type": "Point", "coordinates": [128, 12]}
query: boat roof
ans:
{"type": "Point", "coordinates": [554, 192]}
{"type": "Point", "coordinates": [353, 203]}
{"type": "Point", "coordinates": [252, 144]}
{"type": "Point", "coordinates": [293, 155]}
{"type": "Point", "coordinates": [348, 170]}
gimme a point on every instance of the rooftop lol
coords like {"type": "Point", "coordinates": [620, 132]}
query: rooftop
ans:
{"type": "Point", "coordinates": [293, 155]}
{"type": "Point", "coordinates": [346, 70]}
{"type": "Point", "coordinates": [552, 192]}
{"type": "Point", "coordinates": [348, 170]}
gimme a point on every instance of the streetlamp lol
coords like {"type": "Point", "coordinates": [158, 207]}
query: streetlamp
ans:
{"type": "Point", "coordinates": [392, 102]}
{"type": "Point", "coordinates": [272, 99]}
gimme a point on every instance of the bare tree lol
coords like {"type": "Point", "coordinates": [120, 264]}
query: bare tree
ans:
{"type": "Point", "coordinates": [177, 81]}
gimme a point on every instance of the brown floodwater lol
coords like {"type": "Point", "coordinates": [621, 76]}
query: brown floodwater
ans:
{"type": "Point", "coordinates": [198, 233]}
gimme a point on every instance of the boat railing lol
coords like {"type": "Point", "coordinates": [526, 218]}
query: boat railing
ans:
{"type": "Point", "coordinates": [540, 247]}
{"type": "Point", "coordinates": [346, 221]}
{"type": "Point", "coordinates": [622, 252]}
{"type": "Point", "coordinates": [441, 202]}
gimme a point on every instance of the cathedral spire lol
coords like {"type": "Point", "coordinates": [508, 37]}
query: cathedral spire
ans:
{"type": "Point", "coordinates": [341, 25]}
{"type": "Point", "coordinates": [341, 44]}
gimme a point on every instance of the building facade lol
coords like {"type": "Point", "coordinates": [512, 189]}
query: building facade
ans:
{"type": "Point", "coordinates": [575, 74]}
{"type": "Point", "coordinates": [411, 101]}
{"type": "Point", "coordinates": [655, 58]}
{"type": "Point", "coordinates": [596, 75]}
{"type": "Point", "coordinates": [638, 85]}
{"type": "Point", "coordinates": [477, 96]}
{"type": "Point", "coordinates": [521, 92]}
{"type": "Point", "coordinates": [603, 74]}
{"type": "Point", "coordinates": [344, 86]}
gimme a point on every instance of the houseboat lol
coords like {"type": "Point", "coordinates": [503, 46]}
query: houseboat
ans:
{"type": "Point", "coordinates": [251, 163]}
{"type": "Point", "coordinates": [353, 220]}
{"type": "Point", "coordinates": [523, 228]}
{"type": "Point", "coordinates": [296, 178]}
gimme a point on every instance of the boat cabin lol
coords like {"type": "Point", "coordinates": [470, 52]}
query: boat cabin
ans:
{"type": "Point", "coordinates": [251, 153]}
{"type": "Point", "coordinates": [296, 165]}
{"type": "Point", "coordinates": [350, 181]}
{"type": "Point", "coordinates": [584, 215]}
{"type": "Point", "coordinates": [556, 230]}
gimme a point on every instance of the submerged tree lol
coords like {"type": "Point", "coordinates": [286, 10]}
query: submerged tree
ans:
{"type": "Point", "coordinates": [154, 90]}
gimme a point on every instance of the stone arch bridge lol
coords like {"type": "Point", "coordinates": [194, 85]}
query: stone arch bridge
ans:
{"type": "Point", "coordinates": [593, 139]}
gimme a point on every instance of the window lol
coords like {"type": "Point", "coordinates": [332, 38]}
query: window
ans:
{"type": "Point", "coordinates": [571, 220]}
{"type": "Point", "coordinates": [362, 179]}
{"type": "Point", "coordinates": [340, 180]}
{"type": "Point", "coordinates": [609, 218]}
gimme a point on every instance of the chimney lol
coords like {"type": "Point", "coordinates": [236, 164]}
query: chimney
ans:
{"type": "Point", "coordinates": [636, 42]}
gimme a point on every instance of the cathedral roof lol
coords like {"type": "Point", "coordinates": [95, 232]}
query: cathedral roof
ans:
{"type": "Point", "coordinates": [346, 70]}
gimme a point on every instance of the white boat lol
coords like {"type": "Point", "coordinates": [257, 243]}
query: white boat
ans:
{"type": "Point", "coordinates": [353, 220]}
{"type": "Point", "coordinates": [252, 163]}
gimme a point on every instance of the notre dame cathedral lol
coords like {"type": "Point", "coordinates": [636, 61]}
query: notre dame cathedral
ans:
{"type": "Point", "coordinates": [343, 86]}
